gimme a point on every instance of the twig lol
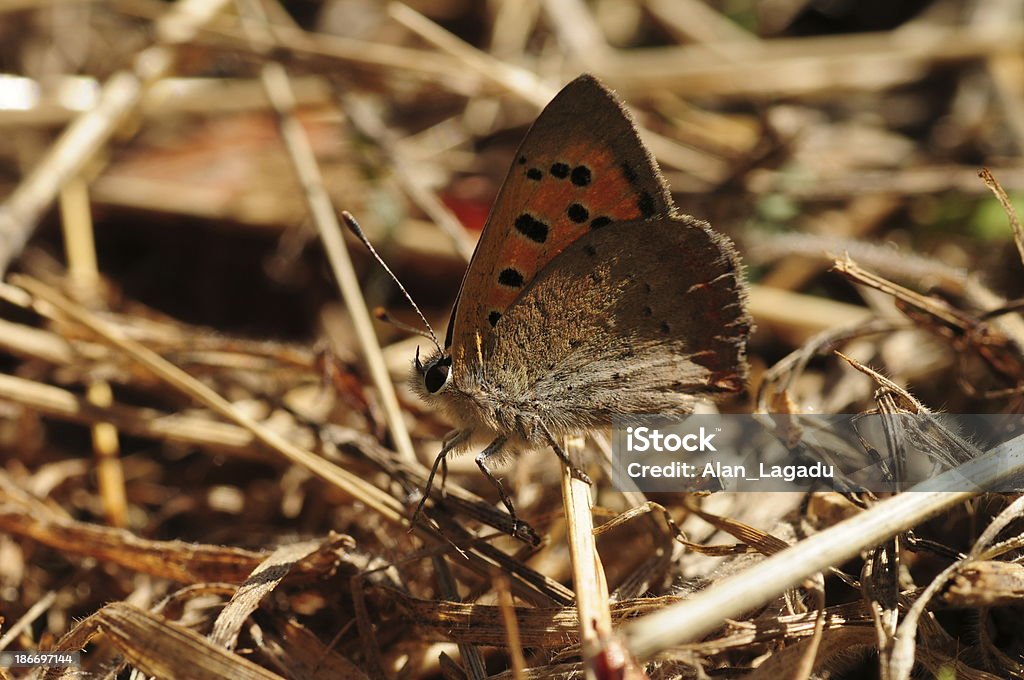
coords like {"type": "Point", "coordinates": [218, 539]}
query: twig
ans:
{"type": "Point", "coordinates": [519, 81]}
{"type": "Point", "coordinates": [22, 210]}
{"type": "Point", "coordinates": [55, 402]}
{"type": "Point", "coordinates": [761, 583]}
{"type": "Point", "coordinates": [801, 66]}
{"type": "Point", "coordinates": [1011, 213]}
{"type": "Point", "coordinates": [472, 659]}
{"type": "Point", "coordinates": [79, 240]}
{"type": "Point", "coordinates": [938, 308]}
{"type": "Point", "coordinates": [696, 21]}
{"type": "Point", "coordinates": [107, 450]}
{"type": "Point", "coordinates": [224, 32]}
{"type": "Point", "coordinates": [80, 247]}
{"type": "Point", "coordinates": [514, 23]}
{"type": "Point", "coordinates": [34, 343]}
{"type": "Point", "coordinates": [802, 315]}
{"type": "Point", "coordinates": [27, 619]}
{"type": "Point", "coordinates": [508, 618]}
{"type": "Point", "coordinates": [587, 571]}
{"type": "Point", "coordinates": [906, 181]}
{"type": "Point", "coordinates": [578, 31]}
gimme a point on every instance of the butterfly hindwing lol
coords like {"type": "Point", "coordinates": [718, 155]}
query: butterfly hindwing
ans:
{"type": "Point", "coordinates": [580, 168]}
{"type": "Point", "coordinates": [651, 316]}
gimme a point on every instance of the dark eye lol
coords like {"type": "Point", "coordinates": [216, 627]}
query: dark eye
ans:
{"type": "Point", "coordinates": [436, 376]}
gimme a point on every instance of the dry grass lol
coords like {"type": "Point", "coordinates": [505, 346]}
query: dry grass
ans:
{"type": "Point", "coordinates": [208, 455]}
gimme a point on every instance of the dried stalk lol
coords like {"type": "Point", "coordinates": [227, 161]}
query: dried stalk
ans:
{"type": "Point", "coordinates": [508, 618]}
{"type": "Point", "coordinates": [80, 246]}
{"type": "Point", "coordinates": [27, 619]}
{"type": "Point", "coordinates": [588, 574]}
{"type": "Point", "coordinates": [801, 315]}
{"type": "Point", "coordinates": [1011, 213]}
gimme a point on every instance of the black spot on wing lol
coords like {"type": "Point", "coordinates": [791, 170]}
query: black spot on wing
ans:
{"type": "Point", "coordinates": [580, 176]}
{"type": "Point", "coordinates": [534, 173]}
{"type": "Point", "coordinates": [577, 213]}
{"type": "Point", "coordinates": [522, 160]}
{"type": "Point", "coordinates": [532, 228]}
{"type": "Point", "coordinates": [599, 222]}
{"type": "Point", "coordinates": [511, 278]}
{"type": "Point", "coordinates": [493, 317]}
{"type": "Point", "coordinates": [560, 170]}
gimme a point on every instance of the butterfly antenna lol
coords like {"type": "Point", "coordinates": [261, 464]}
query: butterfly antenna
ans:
{"type": "Point", "coordinates": [354, 227]}
{"type": "Point", "coordinates": [381, 314]}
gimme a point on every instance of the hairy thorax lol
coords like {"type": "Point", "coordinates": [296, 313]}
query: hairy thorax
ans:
{"type": "Point", "coordinates": [485, 412]}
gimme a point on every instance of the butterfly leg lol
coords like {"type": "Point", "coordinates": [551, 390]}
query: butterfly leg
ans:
{"type": "Point", "coordinates": [444, 478]}
{"type": "Point", "coordinates": [492, 450]}
{"type": "Point", "coordinates": [560, 452]}
{"type": "Point", "coordinates": [444, 463]}
{"type": "Point", "coordinates": [441, 460]}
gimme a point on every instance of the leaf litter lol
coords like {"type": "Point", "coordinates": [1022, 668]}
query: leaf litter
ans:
{"type": "Point", "coordinates": [202, 479]}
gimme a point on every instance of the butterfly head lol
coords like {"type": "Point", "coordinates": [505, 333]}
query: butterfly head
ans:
{"type": "Point", "coordinates": [433, 375]}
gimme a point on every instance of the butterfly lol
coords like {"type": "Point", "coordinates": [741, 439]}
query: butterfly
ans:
{"type": "Point", "coordinates": [588, 296]}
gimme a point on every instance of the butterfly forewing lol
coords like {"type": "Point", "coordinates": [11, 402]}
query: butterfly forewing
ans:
{"type": "Point", "coordinates": [580, 168]}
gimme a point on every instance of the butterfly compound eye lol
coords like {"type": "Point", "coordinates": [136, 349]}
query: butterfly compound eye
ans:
{"type": "Point", "coordinates": [436, 376]}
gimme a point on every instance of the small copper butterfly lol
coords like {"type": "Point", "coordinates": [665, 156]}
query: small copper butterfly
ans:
{"type": "Point", "coordinates": [588, 296]}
